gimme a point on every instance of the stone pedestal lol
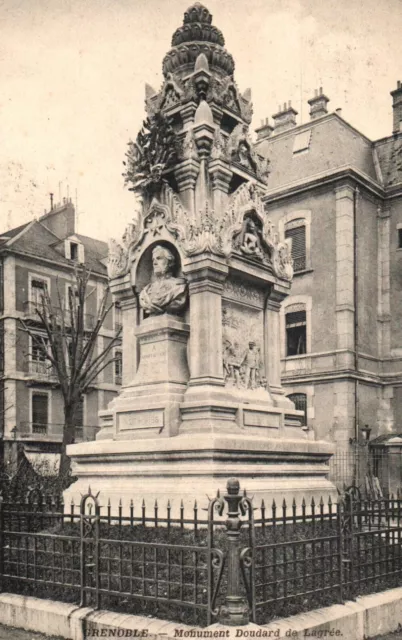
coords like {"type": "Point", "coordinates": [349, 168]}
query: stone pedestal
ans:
{"type": "Point", "coordinates": [192, 467]}
{"type": "Point", "coordinates": [150, 404]}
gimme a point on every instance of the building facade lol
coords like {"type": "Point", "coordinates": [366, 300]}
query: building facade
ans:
{"type": "Point", "coordinates": [338, 196]}
{"type": "Point", "coordinates": [33, 257]}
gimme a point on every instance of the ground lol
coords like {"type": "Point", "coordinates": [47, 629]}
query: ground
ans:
{"type": "Point", "coordinates": [10, 633]}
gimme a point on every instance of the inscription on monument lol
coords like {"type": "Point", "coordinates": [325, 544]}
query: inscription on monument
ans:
{"type": "Point", "coordinates": [260, 419]}
{"type": "Point", "coordinates": [151, 419]}
{"type": "Point", "coordinates": [153, 361]}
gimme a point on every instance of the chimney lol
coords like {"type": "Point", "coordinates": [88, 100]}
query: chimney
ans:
{"type": "Point", "coordinates": [318, 105]}
{"type": "Point", "coordinates": [264, 131]}
{"type": "Point", "coordinates": [397, 107]}
{"type": "Point", "coordinates": [285, 119]}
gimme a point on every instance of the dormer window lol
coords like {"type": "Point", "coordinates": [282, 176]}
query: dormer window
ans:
{"type": "Point", "coordinates": [73, 251]}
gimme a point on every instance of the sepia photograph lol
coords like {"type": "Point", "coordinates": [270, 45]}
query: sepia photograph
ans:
{"type": "Point", "coordinates": [201, 319]}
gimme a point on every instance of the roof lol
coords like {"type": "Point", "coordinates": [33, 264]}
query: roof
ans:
{"type": "Point", "coordinates": [334, 144]}
{"type": "Point", "coordinates": [387, 439]}
{"type": "Point", "coordinates": [35, 240]}
{"type": "Point", "coordinates": [8, 235]}
{"type": "Point", "coordinates": [389, 153]}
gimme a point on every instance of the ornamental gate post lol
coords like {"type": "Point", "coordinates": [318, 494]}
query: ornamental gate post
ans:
{"type": "Point", "coordinates": [235, 610]}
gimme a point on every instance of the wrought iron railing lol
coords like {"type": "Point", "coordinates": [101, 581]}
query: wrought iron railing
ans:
{"type": "Point", "coordinates": [41, 369]}
{"type": "Point", "coordinates": [299, 263]}
{"type": "Point", "coordinates": [31, 306]}
{"type": "Point", "coordinates": [233, 563]}
{"type": "Point", "coordinates": [82, 432]}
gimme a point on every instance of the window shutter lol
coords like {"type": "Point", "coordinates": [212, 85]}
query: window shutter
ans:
{"type": "Point", "coordinates": [295, 318]}
{"type": "Point", "coordinates": [40, 407]}
{"type": "Point", "coordinates": [298, 236]}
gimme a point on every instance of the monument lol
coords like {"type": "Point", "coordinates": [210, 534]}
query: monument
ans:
{"type": "Point", "coordinates": [200, 276]}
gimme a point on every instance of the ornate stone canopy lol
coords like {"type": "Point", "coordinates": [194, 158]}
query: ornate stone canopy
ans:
{"type": "Point", "coordinates": [194, 164]}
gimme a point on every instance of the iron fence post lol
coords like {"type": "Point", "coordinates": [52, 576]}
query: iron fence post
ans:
{"type": "Point", "coordinates": [235, 610]}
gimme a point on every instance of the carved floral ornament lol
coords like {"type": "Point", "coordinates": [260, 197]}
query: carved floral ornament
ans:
{"type": "Point", "coordinates": [209, 234]}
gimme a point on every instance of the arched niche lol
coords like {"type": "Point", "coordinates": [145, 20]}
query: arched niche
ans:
{"type": "Point", "coordinates": [143, 270]}
{"type": "Point", "coordinates": [143, 274]}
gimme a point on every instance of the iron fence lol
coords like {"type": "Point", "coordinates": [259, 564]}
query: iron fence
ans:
{"type": "Point", "coordinates": [232, 563]}
{"type": "Point", "coordinates": [364, 465]}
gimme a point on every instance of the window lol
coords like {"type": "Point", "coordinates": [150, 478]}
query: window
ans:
{"type": "Point", "coordinates": [39, 347]}
{"type": "Point", "coordinates": [300, 402]}
{"type": "Point", "coordinates": [117, 317]}
{"type": "Point", "coordinates": [79, 413]}
{"type": "Point", "coordinates": [118, 366]}
{"type": "Point", "coordinates": [70, 354]}
{"type": "Point", "coordinates": [400, 238]}
{"type": "Point", "coordinates": [296, 230]}
{"type": "Point", "coordinates": [38, 288]}
{"type": "Point", "coordinates": [73, 251]}
{"type": "Point", "coordinates": [302, 141]}
{"type": "Point", "coordinates": [296, 336]}
{"type": "Point", "coordinates": [40, 412]}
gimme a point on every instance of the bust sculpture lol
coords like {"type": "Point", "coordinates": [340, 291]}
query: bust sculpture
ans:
{"type": "Point", "coordinates": [165, 293]}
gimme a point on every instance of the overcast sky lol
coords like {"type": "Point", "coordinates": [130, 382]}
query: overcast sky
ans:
{"type": "Point", "coordinates": [73, 73]}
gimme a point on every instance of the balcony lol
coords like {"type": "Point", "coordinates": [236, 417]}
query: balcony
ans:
{"type": "Point", "coordinates": [41, 371]}
{"type": "Point", "coordinates": [299, 263]}
{"type": "Point", "coordinates": [30, 312]}
{"type": "Point", "coordinates": [40, 432]}
{"type": "Point", "coordinates": [53, 432]}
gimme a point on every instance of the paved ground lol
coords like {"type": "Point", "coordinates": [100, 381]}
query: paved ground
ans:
{"type": "Point", "coordinates": [9, 633]}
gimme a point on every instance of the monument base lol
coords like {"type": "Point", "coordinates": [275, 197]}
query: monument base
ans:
{"type": "Point", "coordinates": [188, 468]}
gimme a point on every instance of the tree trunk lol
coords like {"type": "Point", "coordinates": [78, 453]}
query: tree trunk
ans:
{"type": "Point", "coordinates": [68, 438]}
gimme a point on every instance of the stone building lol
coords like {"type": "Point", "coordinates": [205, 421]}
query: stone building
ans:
{"type": "Point", "coordinates": [338, 196]}
{"type": "Point", "coordinates": [40, 254]}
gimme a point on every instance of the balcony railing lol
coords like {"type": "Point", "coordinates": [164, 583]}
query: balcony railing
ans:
{"type": "Point", "coordinates": [54, 431]}
{"type": "Point", "coordinates": [299, 264]}
{"type": "Point", "coordinates": [31, 306]}
{"type": "Point", "coordinates": [41, 369]}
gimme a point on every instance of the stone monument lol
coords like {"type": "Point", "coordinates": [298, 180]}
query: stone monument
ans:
{"type": "Point", "coordinates": [200, 276]}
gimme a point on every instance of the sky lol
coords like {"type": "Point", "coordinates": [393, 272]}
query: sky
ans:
{"type": "Point", "coordinates": [73, 74]}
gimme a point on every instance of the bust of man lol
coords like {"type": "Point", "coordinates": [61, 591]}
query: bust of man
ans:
{"type": "Point", "coordinates": [165, 293]}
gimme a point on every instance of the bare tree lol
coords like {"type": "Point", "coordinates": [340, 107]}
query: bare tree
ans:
{"type": "Point", "coordinates": [70, 348]}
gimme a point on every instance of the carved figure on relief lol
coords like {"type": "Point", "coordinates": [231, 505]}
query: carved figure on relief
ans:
{"type": "Point", "coordinates": [242, 361]}
{"type": "Point", "coordinates": [251, 364]}
{"type": "Point", "coordinates": [250, 239]}
{"type": "Point", "coordinates": [165, 293]}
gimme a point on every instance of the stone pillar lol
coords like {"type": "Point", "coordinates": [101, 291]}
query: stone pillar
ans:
{"type": "Point", "coordinates": [187, 113]}
{"type": "Point", "coordinates": [221, 175]}
{"type": "Point", "coordinates": [130, 321]}
{"type": "Point", "coordinates": [186, 174]}
{"type": "Point", "coordinates": [345, 274]}
{"type": "Point", "coordinates": [206, 277]}
{"type": "Point", "coordinates": [273, 346]}
{"type": "Point", "coordinates": [384, 286]}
